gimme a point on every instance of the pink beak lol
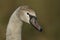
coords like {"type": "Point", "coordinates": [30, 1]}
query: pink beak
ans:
{"type": "Point", "coordinates": [34, 22]}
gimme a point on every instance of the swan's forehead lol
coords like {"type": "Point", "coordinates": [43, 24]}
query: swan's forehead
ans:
{"type": "Point", "coordinates": [31, 12]}
{"type": "Point", "coordinates": [27, 9]}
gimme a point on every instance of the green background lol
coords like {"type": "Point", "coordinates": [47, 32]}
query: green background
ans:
{"type": "Point", "coordinates": [48, 14]}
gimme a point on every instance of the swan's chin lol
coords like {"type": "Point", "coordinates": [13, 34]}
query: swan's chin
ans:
{"type": "Point", "coordinates": [35, 24]}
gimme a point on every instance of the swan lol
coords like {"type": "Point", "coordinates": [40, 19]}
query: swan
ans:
{"type": "Point", "coordinates": [20, 15]}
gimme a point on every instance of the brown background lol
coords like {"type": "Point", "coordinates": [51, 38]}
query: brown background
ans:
{"type": "Point", "coordinates": [48, 13]}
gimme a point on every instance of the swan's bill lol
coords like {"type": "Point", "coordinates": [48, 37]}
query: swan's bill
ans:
{"type": "Point", "coordinates": [35, 24]}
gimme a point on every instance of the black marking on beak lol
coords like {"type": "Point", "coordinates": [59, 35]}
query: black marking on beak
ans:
{"type": "Point", "coordinates": [34, 23]}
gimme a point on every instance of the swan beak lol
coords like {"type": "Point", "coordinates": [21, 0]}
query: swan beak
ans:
{"type": "Point", "coordinates": [35, 24]}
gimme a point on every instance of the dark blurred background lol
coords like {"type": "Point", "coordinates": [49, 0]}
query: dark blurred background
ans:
{"type": "Point", "coordinates": [48, 13]}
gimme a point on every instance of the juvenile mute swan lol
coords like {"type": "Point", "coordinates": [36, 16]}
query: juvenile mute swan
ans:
{"type": "Point", "coordinates": [20, 15]}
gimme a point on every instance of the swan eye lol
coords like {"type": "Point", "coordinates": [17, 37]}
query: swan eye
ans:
{"type": "Point", "coordinates": [27, 13]}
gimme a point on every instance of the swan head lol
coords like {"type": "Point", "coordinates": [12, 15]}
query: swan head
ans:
{"type": "Point", "coordinates": [28, 15]}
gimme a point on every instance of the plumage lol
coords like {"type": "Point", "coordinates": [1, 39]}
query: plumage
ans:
{"type": "Point", "coordinates": [14, 27]}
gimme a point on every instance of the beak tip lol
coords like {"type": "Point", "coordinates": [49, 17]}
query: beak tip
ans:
{"type": "Point", "coordinates": [41, 30]}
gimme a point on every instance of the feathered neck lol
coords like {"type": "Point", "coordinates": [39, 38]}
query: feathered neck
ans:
{"type": "Point", "coordinates": [14, 27]}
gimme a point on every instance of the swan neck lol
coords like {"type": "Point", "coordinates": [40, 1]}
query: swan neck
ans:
{"type": "Point", "coordinates": [14, 28]}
